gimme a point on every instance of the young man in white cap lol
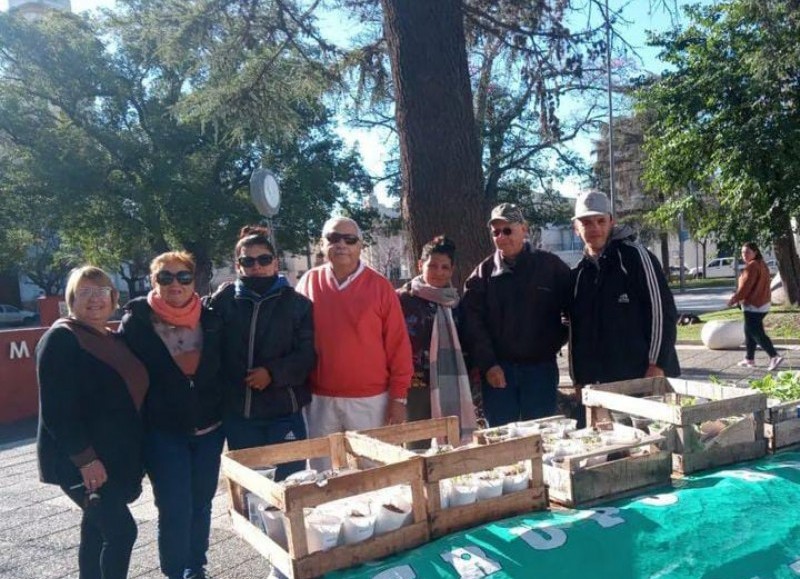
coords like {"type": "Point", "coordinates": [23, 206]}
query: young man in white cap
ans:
{"type": "Point", "coordinates": [623, 321]}
{"type": "Point", "coordinates": [513, 303]}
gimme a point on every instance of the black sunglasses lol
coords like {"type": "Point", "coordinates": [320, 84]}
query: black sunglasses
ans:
{"type": "Point", "coordinates": [348, 238]}
{"type": "Point", "coordinates": [165, 277]}
{"type": "Point", "coordinates": [505, 231]}
{"type": "Point", "coordinates": [263, 259]}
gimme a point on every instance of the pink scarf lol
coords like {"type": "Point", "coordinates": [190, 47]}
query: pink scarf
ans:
{"type": "Point", "coordinates": [186, 316]}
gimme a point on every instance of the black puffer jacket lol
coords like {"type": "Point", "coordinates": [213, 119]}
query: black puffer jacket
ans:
{"type": "Point", "coordinates": [274, 331]}
{"type": "Point", "coordinates": [622, 314]}
{"type": "Point", "coordinates": [513, 313]}
{"type": "Point", "coordinates": [174, 402]}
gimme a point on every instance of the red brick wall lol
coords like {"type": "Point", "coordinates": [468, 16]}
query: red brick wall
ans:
{"type": "Point", "coordinates": [19, 397]}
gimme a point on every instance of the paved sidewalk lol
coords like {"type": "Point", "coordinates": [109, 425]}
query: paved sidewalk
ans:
{"type": "Point", "coordinates": [39, 525]}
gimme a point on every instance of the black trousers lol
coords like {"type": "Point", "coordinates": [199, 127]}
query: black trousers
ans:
{"type": "Point", "coordinates": [108, 532]}
{"type": "Point", "coordinates": [754, 334]}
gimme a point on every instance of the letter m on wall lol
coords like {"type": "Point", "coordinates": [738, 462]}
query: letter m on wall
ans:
{"type": "Point", "coordinates": [19, 350]}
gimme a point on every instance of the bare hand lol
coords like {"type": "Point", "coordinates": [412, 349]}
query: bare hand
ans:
{"type": "Point", "coordinates": [653, 371]}
{"type": "Point", "coordinates": [496, 377]}
{"type": "Point", "coordinates": [94, 475]}
{"type": "Point", "coordinates": [258, 378]}
{"type": "Point", "coordinates": [395, 412]}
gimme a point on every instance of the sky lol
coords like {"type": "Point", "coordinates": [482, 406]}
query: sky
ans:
{"type": "Point", "coordinates": [642, 15]}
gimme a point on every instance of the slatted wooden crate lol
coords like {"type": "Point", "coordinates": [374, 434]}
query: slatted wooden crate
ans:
{"type": "Point", "coordinates": [467, 460]}
{"type": "Point", "coordinates": [295, 561]}
{"type": "Point", "coordinates": [688, 455]}
{"type": "Point", "coordinates": [782, 424]}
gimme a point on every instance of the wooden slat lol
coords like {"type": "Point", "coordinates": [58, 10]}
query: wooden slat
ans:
{"type": "Point", "coordinates": [311, 495]}
{"type": "Point", "coordinates": [260, 485]}
{"type": "Point", "coordinates": [446, 521]}
{"type": "Point", "coordinates": [418, 430]}
{"type": "Point", "coordinates": [475, 459]}
{"type": "Point", "coordinates": [637, 406]}
{"type": "Point", "coordinates": [718, 456]}
{"type": "Point", "coordinates": [342, 557]}
{"type": "Point", "coordinates": [361, 445]}
{"type": "Point", "coordinates": [275, 454]}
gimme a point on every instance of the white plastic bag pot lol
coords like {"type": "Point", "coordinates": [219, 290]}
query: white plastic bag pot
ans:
{"type": "Point", "coordinates": [322, 531]}
{"type": "Point", "coordinates": [358, 526]}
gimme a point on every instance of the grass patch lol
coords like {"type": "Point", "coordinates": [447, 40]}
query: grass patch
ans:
{"type": "Point", "coordinates": [781, 322]}
{"type": "Point", "coordinates": [720, 282]}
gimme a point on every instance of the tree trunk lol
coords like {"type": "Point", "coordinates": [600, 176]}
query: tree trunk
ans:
{"type": "Point", "coordinates": [664, 252]}
{"type": "Point", "coordinates": [439, 150]}
{"type": "Point", "coordinates": [788, 263]}
{"type": "Point", "coordinates": [203, 268]}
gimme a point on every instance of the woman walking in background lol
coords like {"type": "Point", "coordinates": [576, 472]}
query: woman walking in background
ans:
{"type": "Point", "coordinates": [179, 342]}
{"type": "Point", "coordinates": [89, 442]}
{"type": "Point", "coordinates": [267, 351]}
{"type": "Point", "coordinates": [754, 296]}
{"type": "Point", "coordinates": [440, 384]}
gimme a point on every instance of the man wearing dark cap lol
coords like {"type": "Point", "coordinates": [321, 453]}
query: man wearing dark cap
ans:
{"type": "Point", "coordinates": [513, 303]}
{"type": "Point", "coordinates": [623, 321]}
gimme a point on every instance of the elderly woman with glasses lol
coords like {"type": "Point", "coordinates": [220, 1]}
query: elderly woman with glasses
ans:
{"type": "Point", "coordinates": [179, 342]}
{"type": "Point", "coordinates": [268, 350]}
{"type": "Point", "coordinates": [90, 432]}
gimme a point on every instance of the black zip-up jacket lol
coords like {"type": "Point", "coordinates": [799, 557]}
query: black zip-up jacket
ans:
{"type": "Point", "coordinates": [274, 331]}
{"type": "Point", "coordinates": [622, 314]}
{"type": "Point", "coordinates": [175, 402]}
{"type": "Point", "coordinates": [513, 313]}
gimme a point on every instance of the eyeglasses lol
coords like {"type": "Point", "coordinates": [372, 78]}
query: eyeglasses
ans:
{"type": "Point", "coordinates": [165, 277]}
{"type": "Point", "coordinates": [348, 238]}
{"type": "Point", "coordinates": [505, 231]}
{"type": "Point", "coordinates": [263, 259]}
{"type": "Point", "coordinates": [98, 292]}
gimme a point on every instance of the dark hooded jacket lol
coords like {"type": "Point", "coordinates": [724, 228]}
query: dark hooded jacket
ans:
{"type": "Point", "coordinates": [274, 331]}
{"type": "Point", "coordinates": [622, 314]}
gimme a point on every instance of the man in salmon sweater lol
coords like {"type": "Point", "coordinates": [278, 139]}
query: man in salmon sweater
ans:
{"type": "Point", "coordinates": [364, 364]}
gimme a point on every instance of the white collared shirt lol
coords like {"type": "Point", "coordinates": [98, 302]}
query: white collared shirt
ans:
{"type": "Point", "coordinates": [348, 280]}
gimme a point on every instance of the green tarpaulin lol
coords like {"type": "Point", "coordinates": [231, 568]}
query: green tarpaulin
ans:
{"type": "Point", "coordinates": [741, 521]}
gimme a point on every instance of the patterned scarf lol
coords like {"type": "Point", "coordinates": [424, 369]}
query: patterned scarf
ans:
{"type": "Point", "coordinates": [449, 381]}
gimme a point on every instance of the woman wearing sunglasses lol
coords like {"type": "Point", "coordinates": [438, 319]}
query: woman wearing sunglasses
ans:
{"type": "Point", "coordinates": [179, 342]}
{"type": "Point", "coordinates": [268, 350]}
{"type": "Point", "coordinates": [90, 432]}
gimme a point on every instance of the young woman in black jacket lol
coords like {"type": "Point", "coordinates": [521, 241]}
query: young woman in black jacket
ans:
{"type": "Point", "coordinates": [268, 350]}
{"type": "Point", "coordinates": [179, 342]}
{"type": "Point", "coordinates": [90, 433]}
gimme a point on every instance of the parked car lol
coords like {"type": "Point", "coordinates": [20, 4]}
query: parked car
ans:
{"type": "Point", "coordinates": [13, 316]}
{"type": "Point", "coordinates": [720, 267]}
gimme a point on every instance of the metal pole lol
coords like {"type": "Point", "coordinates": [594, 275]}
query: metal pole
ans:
{"type": "Point", "coordinates": [611, 188]}
{"type": "Point", "coordinates": [681, 254]}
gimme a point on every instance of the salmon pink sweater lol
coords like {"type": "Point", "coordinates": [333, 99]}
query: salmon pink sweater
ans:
{"type": "Point", "coordinates": [360, 335]}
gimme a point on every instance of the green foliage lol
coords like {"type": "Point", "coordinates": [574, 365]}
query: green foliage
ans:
{"type": "Point", "coordinates": [727, 129]}
{"type": "Point", "coordinates": [784, 386]}
{"type": "Point", "coordinates": [110, 146]}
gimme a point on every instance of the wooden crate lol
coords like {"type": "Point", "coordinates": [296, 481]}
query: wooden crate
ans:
{"type": "Point", "coordinates": [782, 424]}
{"type": "Point", "coordinates": [295, 561]}
{"type": "Point", "coordinates": [724, 401]}
{"type": "Point", "coordinates": [572, 483]}
{"type": "Point", "coordinates": [467, 460]}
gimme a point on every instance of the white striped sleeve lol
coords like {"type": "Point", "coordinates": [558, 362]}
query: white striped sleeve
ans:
{"type": "Point", "coordinates": [656, 309]}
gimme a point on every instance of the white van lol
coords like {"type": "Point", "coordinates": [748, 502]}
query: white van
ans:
{"type": "Point", "coordinates": [720, 267]}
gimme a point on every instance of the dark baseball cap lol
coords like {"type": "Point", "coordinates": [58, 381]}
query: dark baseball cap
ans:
{"type": "Point", "coordinates": [507, 212]}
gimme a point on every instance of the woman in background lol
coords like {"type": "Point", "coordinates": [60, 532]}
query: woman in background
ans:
{"type": "Point", "coordinates": [754, 295]}
{"type": "Point", "coordinates": [440, 384]}
{"type": "Point", "coordinates": [90, 433]}
{"type": "Point", "coordinates": [178, 340]}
